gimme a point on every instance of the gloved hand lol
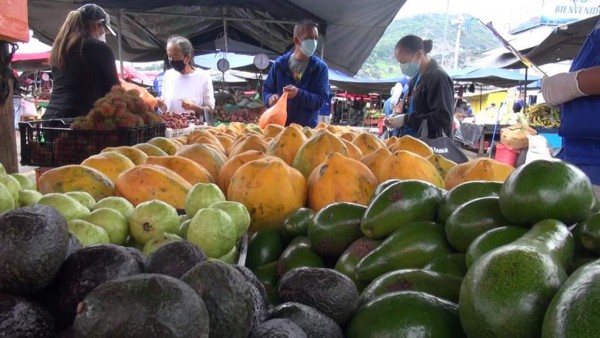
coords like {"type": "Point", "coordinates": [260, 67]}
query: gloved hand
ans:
{"type": "Point", "coordinates": [561, 88]}
{"type": "Point", "coordinates": [395, 121]}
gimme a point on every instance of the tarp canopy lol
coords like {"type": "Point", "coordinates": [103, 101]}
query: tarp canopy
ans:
{"type": "Point", "coordinates": [563, 42]}
{"type": "Point", "coordinates": [209, 61]}
{"type": "Point", "coordinates": [349, 29]}
{"type": "Point", "coordinates": [30, 61]}
{"type": "Point", "coordinates": [362, 86]}
{"type": "Point", "coordinates": [502, 78]}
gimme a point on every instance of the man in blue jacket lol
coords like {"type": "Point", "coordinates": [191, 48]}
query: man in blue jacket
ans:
{"type": "Point", "coordinates": [302, 75]}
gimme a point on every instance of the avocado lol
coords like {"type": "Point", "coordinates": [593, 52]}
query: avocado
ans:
{"type": "Point", "coordinates": [327, 290]}
{"type": "Point", "coordinates": [20, 318]}
{"type": "Point", "coordinates": [264, 247]}
{"type": "Point", "coordinates": [452, 264]}
{"type": "Point", "coordinates": [573, 310]}
{"type": "Point", "coordinates": [472, 219]}
{"type": "Point", "coordinates": [580, 260]}
{"type": "Point", "coordinates": [268, 277]}
{"type": "Point", "coordinates": [145, 305]}
{"type": "Point", "coordinates": [464, 193]}
{"type": "Point", "coordinates": [335, 227]}
{"type": "Point", "coordinates": [382, 186]}
{"type": "Point", "coordinates": [82, 272]}
{"type": "Point", "coordinates": [296, 224]}
{"type": "Point", "coordinates": [406, 314]}
{"type": "Point", "coordinates": [347, 262]}
{"type": "Point", "coordinates": [546, 189]}
{"type": "Point", "coordinates": [278, 328]}
{"type": "Point", "coordinates": [412, 246]}
{"type": "Point", "coordinates": [589, 233]}
{"type": "Point", "coordinates": [552, 238]}
{"type": "Point", "coordinates": [186, 255]}
{"type": "Point", "coordinates": [298, 254]}
{"type": "Point", "coordinates": [227, 295]}
{"type": "Point", "coordinates": [139, 257]}
{"type": "Point", "coordinates": [437, 284]}
{"type": "Point", "coordinates": [34, 242]}
{"type": "Point", "coordinates": [259, 296]}
{"type": "Point", "coordinates": [314, 323]}
{"type": "Point", "coordinates": [399, 204]}
{"type": "Point", "coordinates": [491, 240]}
{"type": "Point", "coordinates": [67, 333]}
{"type": "Point", "coordinates": [506, 292]}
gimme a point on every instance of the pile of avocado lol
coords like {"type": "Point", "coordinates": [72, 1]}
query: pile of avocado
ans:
{"type": "Point", "coordinates": [484, 259]}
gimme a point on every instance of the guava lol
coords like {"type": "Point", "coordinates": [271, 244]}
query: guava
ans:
{"type": "Point", "coordinates": [2, 170]}
{"type": "Point", "coordinates": [83, 197]}
{"type": "Point", "coordinates": [118, 203]}
{"type": "Point", "coordinates": [7, 202]}
{"type": "Point", "coordinates": [87, 233]}
{"type": "Point", "coordinates": [69, 207]}
{"type": "Point", "coordinates": [24, 181]}
{"type": "Point", "coordinates": [152, 218]}
{"type": "Point", "coordinates": [238, 213]}
{"type": "Point", "coordinates": [201, 196]}
{"type": "Point", "coordinates": [113, 222]}
{"type": "Point", "coordinates": [183, 228]}
{"type": "Point", "coordinates": [156, 242]}
{"type": "Point", "coordinates": [213, 231]}
{"type": "Point", "coordinates": [29, 197]}
{"type": "Point", "coordinates": [230, 257]}
{"type": "Point", "coordinates": [12, 184]}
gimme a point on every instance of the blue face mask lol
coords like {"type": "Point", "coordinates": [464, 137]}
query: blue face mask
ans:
{"type": "Point", "coordinates": [308, 47]}
{"type": "Point", "coordinates": [410, 69]}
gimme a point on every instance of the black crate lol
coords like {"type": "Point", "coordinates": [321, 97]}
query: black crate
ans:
{"type": "Point", "coordinates": [51, 143]}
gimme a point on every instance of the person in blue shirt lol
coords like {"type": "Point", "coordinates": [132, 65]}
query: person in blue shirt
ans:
{"type": "Point", "coordinates": [578, 91]}
{"type": "Point", "coordinates": [302, 75]}
{"type": "Point", "coordinates": [325, 112]}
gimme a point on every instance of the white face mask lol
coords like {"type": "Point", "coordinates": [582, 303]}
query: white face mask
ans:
{"type": "Point", "coordinates": [102, 37]}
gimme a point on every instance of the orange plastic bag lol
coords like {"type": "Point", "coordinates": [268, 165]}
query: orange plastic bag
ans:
{"type": "Point", "coordinates": [144, 94]}
{"type": "Point", "coordinates": [276, 114]}
{"type": "Point", "coordinates": [14, 25]}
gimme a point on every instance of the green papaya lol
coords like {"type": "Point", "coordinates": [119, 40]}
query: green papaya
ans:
{"type": "Point", "coordinates": [264, 247]}
{"type": "Point", "coordinates": [464, 193]}
{"type": "Point", "coordinates": [491, 240]}
{"type": "Point", "coordinates": [335, 227]}
{"type": "Point", "coordinates": [347, 262]}
{"type": "Point", "coordinates": [296, 223]}
{"type": "Point", "coordinates": [383, 185]}
{"type": "Point", "coordinates": [552, 238]}
{"type": "Point", "coordinates": [452, 264]}
{"type": "Point", "coordinates": [589, 233]}
{"type": "Point", "coordinates": [298, 254]}
{"type": "Point", "coordinates": [267, 275]}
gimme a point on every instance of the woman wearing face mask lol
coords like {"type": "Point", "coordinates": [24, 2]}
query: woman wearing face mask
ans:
{"type": "Point", "coordinates": [185, 87]}
{"type": "Point", "coordinates": [83, 66]}
{"type": "Point", "coordinates": [302, 75]}
{"type": "Point", "coordinates": [429, 102]}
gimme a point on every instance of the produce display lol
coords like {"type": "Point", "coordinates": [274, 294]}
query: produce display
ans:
{"type": "Point", "coordinates": [542, 115]}
{"type": "Point", "coordinates": [180, 121]}
{"type": "Point", "coordinates": [231, 113]}
{"type": "Point", "coordinates": [349, 236]}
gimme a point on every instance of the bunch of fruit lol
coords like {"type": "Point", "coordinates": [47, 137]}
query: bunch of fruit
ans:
{"type": "Point", "coordinates": [180, 120]}
{"type": "Point", "coordinates": [542, 115]}
{"type": "Point", "coordinates": [242, 115]}
{"type": "Point", "coordinates": [118, 109]}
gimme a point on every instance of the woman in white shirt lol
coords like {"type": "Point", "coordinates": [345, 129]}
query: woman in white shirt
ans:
{"type": "Point", "coordinates": [185, 87]}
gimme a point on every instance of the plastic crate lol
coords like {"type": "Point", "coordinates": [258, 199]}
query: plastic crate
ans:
{"type": "Point", "coordinates": [51, 143]}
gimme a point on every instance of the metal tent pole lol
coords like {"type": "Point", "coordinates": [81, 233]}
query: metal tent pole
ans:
{"type": "Point", "coordinates": [120, 42]}
{"type": "Point", "coordinates": [525, 91]}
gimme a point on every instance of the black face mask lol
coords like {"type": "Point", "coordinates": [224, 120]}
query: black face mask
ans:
{"type": "Point", "coordinates": [178, 65]}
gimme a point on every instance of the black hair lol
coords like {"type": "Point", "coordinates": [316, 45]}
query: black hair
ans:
{"type": "Point", "coordinates": [413, 44]}
{"type": "Point", "coordinates": [304, 25]}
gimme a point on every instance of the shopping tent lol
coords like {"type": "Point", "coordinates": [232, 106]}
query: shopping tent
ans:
{"type": "Point", "coordinates": [209, 61]}
{"type": "Point", "coordinates": [30, 61]}
{"type": "Point", "coordinates": [497, 77]}
{"type": "Point", "coordinates": [360, 85]}
{"type": "Point", "coordinates": [349, 29]}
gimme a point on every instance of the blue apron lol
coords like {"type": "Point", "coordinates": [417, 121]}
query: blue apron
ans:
{"type": "Point", "coordinates": [406, 129]}
{"type": "Point", "coordinates": [580, 118]}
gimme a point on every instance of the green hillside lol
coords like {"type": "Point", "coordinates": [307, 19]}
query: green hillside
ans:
{"type": "Point", "coordinates": [475, 38]}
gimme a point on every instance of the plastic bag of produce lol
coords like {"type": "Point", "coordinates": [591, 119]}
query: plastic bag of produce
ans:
{"type": "Point", "coordinates": [538, 149]}
{"type": "Point", "coordinates": [144, 94]}
{"type": "Point", "coordinates": [276, 114]}
{"type": "Point", "coordinates": [515, 137]}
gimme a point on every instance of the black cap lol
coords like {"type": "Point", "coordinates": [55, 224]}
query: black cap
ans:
{"type": "Point", "coordinates": [93, 12]}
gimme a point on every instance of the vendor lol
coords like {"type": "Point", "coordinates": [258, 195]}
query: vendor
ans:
{"type": "Point", "coordinates": [579, 93]}
{"type": "Point", "coordinates": [302, 75]}
{"type": "Point", "coordinates": [185, 87]}
{"type": "Point", "coordinates": [83, 66]}
{"type": "Point", "coordinates": [429, 102]}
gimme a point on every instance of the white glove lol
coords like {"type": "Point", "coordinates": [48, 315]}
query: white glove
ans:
{"type": "Point", "coordinates": [561, 88]}
{"type": "Point", "coordinates": [395, 121]}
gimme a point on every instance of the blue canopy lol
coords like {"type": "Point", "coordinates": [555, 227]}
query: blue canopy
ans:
{"type": "Point", "coordinates": [363, 86]}
{"type": "Point", "coordinates": [497, 77]}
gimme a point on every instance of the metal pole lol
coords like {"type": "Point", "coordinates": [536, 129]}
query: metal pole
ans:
{"type": "Point", "coordinates": [120, 41]}
{"type": "Point", "coordinates": [525, 91]}
{"type": "Point", "coordinates": [445, 30]}
{"type": "Point", "coordinates": [323, 49]}
{"type": "Point", "coordinates": [457, 45]}
{"type": "Point", "coordinates": [225, 35]}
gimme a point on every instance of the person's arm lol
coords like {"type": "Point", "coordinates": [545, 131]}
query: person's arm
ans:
{"type": "Point", "coordinates": [564, 87]}
{"type": "Point", "coordinates": [314, 98]}
{"type": "Point", "coordinates": [270, 85]}
{"type": "Point", "coordinates": [208, 93]}
{"type": "Point", "coordinates": [589, 81]}
{"type": "Point", "coordinates": [106, 68]}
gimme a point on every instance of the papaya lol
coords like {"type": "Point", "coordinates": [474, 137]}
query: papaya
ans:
{"type": "Point", "coordinates": [205, 155]}
{"type": "Point", "coordinates": [382, 186]}
{"type": "Point", "coordinates": [321, 125]}
{"type": "Point", "coordinates": [226, 142]}
{"type": "Point", "coordinates": [480, 169]}
{"type": "Point", "coordinates": [286, 144]}
{"type": "Point", "coordinates": [298, 254]}
{"type": "Point", "coordinates": [368, 143]}
{"type": "Point", "coordinates": [296, 125]}
{"type": "Point", "coordinates": [110, 163]}
{"type": "Point", "coordinates": [184, 167]}
{"type": "Point", "coordinates": [348, 260]}
{"type": "Point", "coordinates": [340, 179]}
{"type": "Point", "coordinates": [232, 164]}
{"type": "Point", "coordinates": [210, 142]}
{"type": "Point", "coordinates": [148, 182]}
{"type": "Point", "coordinates": [492, 239]}
{"type": "Point", "coordinates": [308, 132]}
{"type": "Point", "coordinates": [315, 151]}
{"type": "Point", "coordinates": [545, 189]}
{"type": "Point", "coordinates": [335, 228]}
{"type": "Point", "coordinates": [250, 142]}
{"type": "Point", "coordinates": [464, 193]}
{"type": "Point", "coordinates": [376, 159]}
{"type": "Point", "coordinates": [264, 247]}
{"type": "Point", "coordinates": [400, 204]}
{"type": "Point", "coordinates": [353, 151]}
{"type": "Point", "coordinates": [272, 130]}
{"type": "Point", "coordinates": [270, 190]}
{"type": "Point", "coordinates": [442, 164]}
{"type": "Point", "coordinates": [167, 145]}
{"type": "Point", "coordinates": [134, 154]}
{"type": "Point", "coordinates": [412, 144]}
{"type": "Point", "coordinates": [205, 134]}
{"type": "Point", "coordinates": [76, 178]}
{"type": "Point", "coordinates": [406, 165]}
{"type": "Point", "coordinates": [452, 264]}
{"type": "Point", "coordinates": [348, 137]}
{"type": "Point", "coordinates": [411, 246]}
{"type": "Point", "coordinates": [296, 223]}
{"type": "Point", "coordinates": [472, 219]}
{"type": "Point", "coordinates": [150, 149]}
{"type": "Point", "coordinates": [390, 141]}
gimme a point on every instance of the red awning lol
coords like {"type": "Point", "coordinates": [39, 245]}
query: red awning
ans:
{"type": "Point", "coordinates": [31, 56]}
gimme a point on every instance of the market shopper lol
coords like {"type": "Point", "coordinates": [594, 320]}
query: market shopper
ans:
{"type": "Point", "coordinates": [326, 112]}
{"type": "Point", "coordinates": [578, 91]}
{"type": "Point", "coordinates": [429, 102]}
{"type": "Point", "coordinates": [83, 66]}
{"type": "Point", "coordinates": [185, 87]}
{"type": "Point", "coordinates": [301, 74]}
